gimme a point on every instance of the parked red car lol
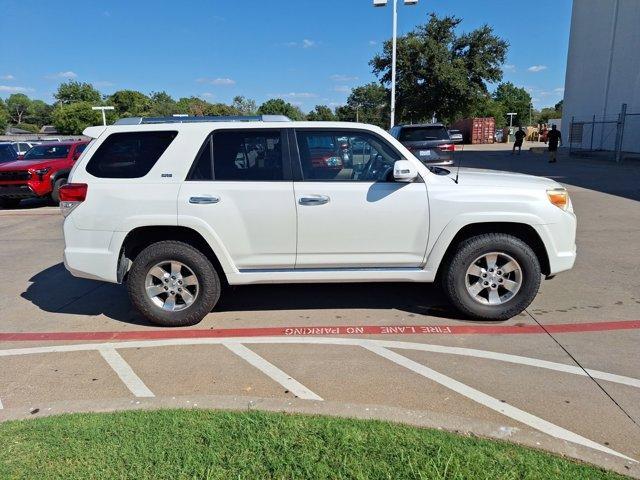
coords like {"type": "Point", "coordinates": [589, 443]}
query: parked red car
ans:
{"type": "Point", "coordinates": [39, 173]}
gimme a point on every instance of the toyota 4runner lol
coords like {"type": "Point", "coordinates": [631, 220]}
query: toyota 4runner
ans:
{"type": "Point", "coordinates": [179, 207]}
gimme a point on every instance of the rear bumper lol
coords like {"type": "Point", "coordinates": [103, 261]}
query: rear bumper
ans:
{"type": "Point", "coordinates": [17, 191]}
{"type": "Point", "coordinates": [87, 253]}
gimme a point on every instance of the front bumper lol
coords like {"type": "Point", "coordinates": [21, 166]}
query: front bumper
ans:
{"type": "Point", "coordinates": [17, 191]}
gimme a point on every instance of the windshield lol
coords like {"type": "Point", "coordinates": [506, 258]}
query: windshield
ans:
{"type": "Point", "coordinates": [44, 152]}
{"type": "Point", "coordinates": [421, 134]}
{"type": "Point", "coordinates": [7, 154]}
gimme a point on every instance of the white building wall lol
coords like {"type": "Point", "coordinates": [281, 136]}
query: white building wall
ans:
{"type": "Point", "coordinates": [603, 69]}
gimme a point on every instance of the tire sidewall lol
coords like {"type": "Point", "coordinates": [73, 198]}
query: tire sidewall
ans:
{"type": "Point", "coordinates": [55, 192]}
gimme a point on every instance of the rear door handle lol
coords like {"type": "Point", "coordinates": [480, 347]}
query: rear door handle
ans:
{"type": "Point", "coordinates": [313, 200]}
{"type": "Point", "coordinates": [204, 200]}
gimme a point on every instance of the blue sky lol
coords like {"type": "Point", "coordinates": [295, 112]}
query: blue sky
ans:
{"type": "Point", "coordinates": [306, 51]}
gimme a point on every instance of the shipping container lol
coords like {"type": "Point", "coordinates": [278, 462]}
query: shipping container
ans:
{"type": "Point", "coordinates": [476, 130]}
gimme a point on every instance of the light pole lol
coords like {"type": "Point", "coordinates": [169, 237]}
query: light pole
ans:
{"type": "Point", "coordinates": [394, 41]}
{"type": "Point", "coordinates": [511, 115]}
{"type": "Point", "coordinates": [104, 116]}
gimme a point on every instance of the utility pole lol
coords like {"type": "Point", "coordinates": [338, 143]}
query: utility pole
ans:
{"type": "Point", "coordinates": [394, 41]}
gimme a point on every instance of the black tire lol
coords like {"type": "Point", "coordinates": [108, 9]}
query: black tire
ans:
{"type": "Point", "coordinates": [55, 193]}
{"type": "Point", "coordinates": [9, 202]}
{"type": "Point", "coordinates": [208, 279]}
{"type": "Point", "coordinates": [454, 273]}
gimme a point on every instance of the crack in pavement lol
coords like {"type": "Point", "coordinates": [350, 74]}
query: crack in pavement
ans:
{"type": "Point", "coordinates": [586, 371]}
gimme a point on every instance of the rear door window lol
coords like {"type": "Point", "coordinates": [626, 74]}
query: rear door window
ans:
{"type": "Point", "coordinates": [129, 155]}
{"type": "Point", "coordinates": [423, 134]}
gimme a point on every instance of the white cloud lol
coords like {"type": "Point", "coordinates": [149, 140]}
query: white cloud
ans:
{"type": "Point", "coordinates": [537, 68]}
{"type": "Point", "coordinates": [509, 67]}
{"type": "Point", "coordinates": [206, 94]}
{"type": "Point", "coordinates": [306, 43]}
{"type": "Point", "coordinates": [12, 89]}
{"type": "Point", "coordinates": [296, 95]}
{"type": "Point", "coordinates": [559, 90]}
{"type": "Point", "coordinates": [335, 104]}
{"type": "Point", "coordinates": [343, 78]}
{"type": "Point", "coordinates": [61, 75]}
{"type": "Point", "coordinates": [217, 81]}
{"type": "Point", "coordinates": [373, 43]}
{"type": "Point", "coordinates": [341, 89]}
{"type": "Point", "coordinates": [7, 77]}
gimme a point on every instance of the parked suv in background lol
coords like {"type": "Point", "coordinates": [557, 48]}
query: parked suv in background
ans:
{"type": "Point", "coordinates": [430, 143]}
{"type": "Point", "coordinates": [24, 146]}
{"type": "Point", "coordinates": [39, 173]}
{"type": "Point", "coordinates": [178, 207]}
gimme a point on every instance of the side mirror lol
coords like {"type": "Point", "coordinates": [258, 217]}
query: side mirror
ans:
{"type": "Point", "coordinates": [404, 171]}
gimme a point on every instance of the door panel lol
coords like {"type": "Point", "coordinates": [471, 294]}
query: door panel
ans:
{"type": "Point", "coordinates": [240, 186]}
{"type": "Point", "coordinates": [256, 221]}
{"type": "Point", "coordinates": [351, 214]}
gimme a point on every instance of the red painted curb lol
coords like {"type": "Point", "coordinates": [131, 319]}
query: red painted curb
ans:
{"type": "Point", "coordinates": [323, 331]}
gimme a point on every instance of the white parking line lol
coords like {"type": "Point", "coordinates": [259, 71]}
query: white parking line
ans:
{"type": "Point", "coordinates": [125, 372]}
{"type": "Point", "coordinates": [272, 371]}
{"type": "Point", "coordinates": [491, 402]}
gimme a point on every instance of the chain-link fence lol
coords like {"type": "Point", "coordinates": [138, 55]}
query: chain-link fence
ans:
{"type": "Point", "coordinates": [617, 136]}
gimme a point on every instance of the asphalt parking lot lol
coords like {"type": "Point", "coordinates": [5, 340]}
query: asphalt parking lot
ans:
{"type": "Point", "coordinates": [563, 376]}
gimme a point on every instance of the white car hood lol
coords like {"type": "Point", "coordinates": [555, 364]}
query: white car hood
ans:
{"type": "Point", "coordinates": [495, 178]}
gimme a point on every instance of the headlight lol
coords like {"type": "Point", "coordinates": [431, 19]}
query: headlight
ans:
{"type": "Point", "coordinates": [41, 172]}
{"type": "Point", "coordinates": [560, 198]}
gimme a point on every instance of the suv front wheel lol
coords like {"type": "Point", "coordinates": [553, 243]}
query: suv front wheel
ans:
{"type": "Point", "coordinates": [172, 284]}
{"type": "Point", "coordinates": [492, 277]}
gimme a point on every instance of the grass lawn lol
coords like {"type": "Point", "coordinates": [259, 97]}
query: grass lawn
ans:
{"type": "Point", "coordinates": [194, 444]}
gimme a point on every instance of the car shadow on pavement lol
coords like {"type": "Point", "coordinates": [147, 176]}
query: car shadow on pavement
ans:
{"type": "Point", "coordinates": [55, 290]}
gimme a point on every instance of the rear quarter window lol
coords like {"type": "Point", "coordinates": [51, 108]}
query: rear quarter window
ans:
{"type": "Point", "coordinates": [129, 155]}
{"type": "Point", "coordinates": [423, 134]}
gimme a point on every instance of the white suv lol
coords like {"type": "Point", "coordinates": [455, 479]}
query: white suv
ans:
{"type": "Point", "coordinates": [179, 207]}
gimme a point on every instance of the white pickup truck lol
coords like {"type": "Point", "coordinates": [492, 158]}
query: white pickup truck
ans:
{"type": "Point", "coordinates": [179, 207]}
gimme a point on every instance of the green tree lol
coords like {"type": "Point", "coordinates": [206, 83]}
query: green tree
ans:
{"type": "Point", "coordinates": [277, 106]}
{"type": "Point", "coordinates": [366, 104]}
{"type": "Point", "coordinates": [39, 113]}
{"type": "Point", "coordinates": [514, 99]}
{"type": "Point", "coordinates": [192, 106]}
{"type": "Point", "coordinates": [4, 116]}
{"type": "Point", "coordinates": [73, 118]}
{"type": "Point", "coordinates": [130, 103]}
{"type": "Point", "coordinates": [162, 105]}
{"type": "Point", "coordinates": [244, 106]}
{"type": "Point", "coordinates": [18, 106]}
{"type": "Point", "coordinates": [545, 114]}
{"type": "Point", "coordinates": [72, 92]}
{"type": "Point", "coordinates": [558, 106]}
{"type": "Point", "coordinates": [440, 71]}
{"type": "Point", "coordinates": [321, 113]}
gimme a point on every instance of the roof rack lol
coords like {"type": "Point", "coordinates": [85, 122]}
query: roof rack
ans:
{"type": "Point", "coordinates": [188, 119]}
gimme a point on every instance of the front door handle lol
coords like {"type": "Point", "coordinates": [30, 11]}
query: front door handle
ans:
{"type": "Point", "coordinates": [314, 200]}
{"type": "Point", "coordinates": [204, 200]}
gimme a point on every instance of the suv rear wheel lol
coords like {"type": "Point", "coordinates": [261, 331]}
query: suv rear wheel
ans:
{"type": "Point", "coordinates": [492, 277]}
{"type": "Point", "coordinates": [172, 284]}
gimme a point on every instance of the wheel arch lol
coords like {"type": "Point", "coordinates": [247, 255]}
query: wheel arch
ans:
{"type": "Point", "coordinates": [141, 237]}
{"type": "Point", "coordinates": [522, 231]}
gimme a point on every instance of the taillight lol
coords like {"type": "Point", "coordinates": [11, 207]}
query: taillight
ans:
{"type": "Point", "coordinates": [448, 147]}
{"type": "Point", "coordinates": [72, 195]}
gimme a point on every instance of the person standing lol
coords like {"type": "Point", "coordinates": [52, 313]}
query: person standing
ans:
{"type": "Point", "coordinates": [519, 139]}
{"type": "Point", "coordinates": [554, 137]}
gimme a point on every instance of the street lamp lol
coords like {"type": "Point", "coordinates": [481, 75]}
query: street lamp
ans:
{"type": "Point", "coordinates": [383, 3]}
{"type": "Point", "coordinates": [104, 116]}
{"type": "Point", "coordinates": [511, 115]}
